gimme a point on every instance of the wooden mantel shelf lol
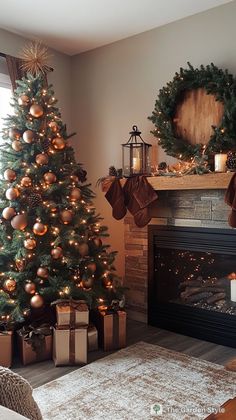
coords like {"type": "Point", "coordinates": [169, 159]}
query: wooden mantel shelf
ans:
{"type": "Point", "coordinates": [212, 181]}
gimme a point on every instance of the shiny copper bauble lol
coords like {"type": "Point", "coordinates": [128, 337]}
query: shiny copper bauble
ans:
{"type": "Point", "coordinates": [66, 216]}
{"type": "Point", "coordinates": [52, 206]}
{"type": "Point", "coordinates": [9, 175]}
{"type": "Point", "coordinates": [23, 100]}
{"type": "Point", "coordinates": [83, 249]}
{"type": "Point", "coordinates": [28, 136]}
{"type": "Point", "coordinates": [26, 181]}
{"type": "Point", "coordinates": [9, 285]}
{"type": "Point", "coordinates": [39, 229]}
{"type": "Point", "coordinates": [50, 178]}
{"type": "Point", "coordinates": [107, 282]}
{"type": "Point", "coordinates": [74, 178]}
{"type": "Point", "coordinates": [12, 193]}
{"type": "Point", "coordinates": [19, 222]}
{"type": "Point", "coordinates": [14, 134]}
{"type": "Point", "coordinates": [75, 194]}
{"type": "Point", "coordinates": [41, 159]}
{"type": "Point", "coordinates": [92, 267]}
{"type": "Point", "coordinates": [30, 288]}
{"type": "Point", "coordinates": [36, 301]}
{"type": "Point", "coordinates": [58, 143]}
{"type": "Point", "coordinates": [36, 111]}
{"type": "Point", "coordinates": [16, 145]}
{"type": "Point", "coordinates": [97, 242]}
{"type": "Point", "coordinates": [30, 243]}
{"type": "Point", "coordinates": [56, 253]}
{"type": "Point", "coordinates": [42, 272]}
{"type": "Point", "coordinates": [20, 264]}
{"type": "Point", "coordinates": [53, 125]}
{"type": "Point", "coordinates": [8, 213]}
{"type": "Point", "coordinates": [87, 283]}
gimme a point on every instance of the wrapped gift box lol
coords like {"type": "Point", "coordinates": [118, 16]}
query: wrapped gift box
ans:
{"type": "Point", "coordinates": [72, 313]}
{"type": "Point", "coordinates": [34, 344]}
{"type": "Point", "coordinates": [6, 348]}
{"type": "Point", "coordinates": [70, 346]}
{"type": "Point", "coordinates": [92, 338]}
{"type": "Point", "coordinates": [111, 327]}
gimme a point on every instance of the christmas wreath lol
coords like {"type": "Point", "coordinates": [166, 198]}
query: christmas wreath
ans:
{"type": "Point", "coordinates": [215, 81]}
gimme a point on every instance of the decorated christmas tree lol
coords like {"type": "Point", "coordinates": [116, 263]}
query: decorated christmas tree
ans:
{"type": "Point", "coordinates": [50, 236]}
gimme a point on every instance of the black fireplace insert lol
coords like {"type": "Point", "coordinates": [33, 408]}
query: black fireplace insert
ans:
{"type": "Point", "coordinates": [192, 282]}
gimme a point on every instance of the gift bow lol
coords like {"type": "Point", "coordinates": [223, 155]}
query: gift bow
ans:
{"type": "Point", "coordinates": [35, 336]}
{"type": "Point", "coordinates": [78, 305]}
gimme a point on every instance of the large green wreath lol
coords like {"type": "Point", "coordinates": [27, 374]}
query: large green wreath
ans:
{"type": "Point", "coordinates": [217, 82]}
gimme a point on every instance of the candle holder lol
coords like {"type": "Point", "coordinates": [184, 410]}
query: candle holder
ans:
{"type": "Point", "coordinates": [135, 155]}
{"type": "Point", "coordinates": [220, 162]}
{"type": "Point", "coordinates": [231, 161]}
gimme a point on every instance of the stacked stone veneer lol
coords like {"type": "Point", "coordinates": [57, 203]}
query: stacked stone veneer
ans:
{"type": "Point", "coordinates": [199, 208]}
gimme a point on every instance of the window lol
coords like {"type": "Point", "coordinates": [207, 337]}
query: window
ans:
{"type": "Point", "coordinates": [5, 98]}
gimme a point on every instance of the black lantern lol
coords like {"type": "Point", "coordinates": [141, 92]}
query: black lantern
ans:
{"type": "Point", "coordinates": [135, 155]}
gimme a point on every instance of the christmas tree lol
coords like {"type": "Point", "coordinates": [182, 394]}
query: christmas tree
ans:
{"type": "Point", "coordinates": [50, 235]}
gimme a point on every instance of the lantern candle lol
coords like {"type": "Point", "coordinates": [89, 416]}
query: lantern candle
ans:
{"type": "Point", "coordinates": [232, 278]}
{"type": "Point", "coordinates": [220, 162]}
{"type": "Point", "coordinates": [136, 164]}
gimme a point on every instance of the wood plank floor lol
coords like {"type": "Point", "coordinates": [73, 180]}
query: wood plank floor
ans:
{"type": "Point", "coordinates": [40, 373]}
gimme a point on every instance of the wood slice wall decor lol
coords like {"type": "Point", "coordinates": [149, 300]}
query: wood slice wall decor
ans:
{"type": "Point", "coordinates": [195, 115]}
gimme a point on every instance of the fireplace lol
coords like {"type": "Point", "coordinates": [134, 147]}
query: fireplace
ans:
{"type": "Point", "coordinates": [192, 281]}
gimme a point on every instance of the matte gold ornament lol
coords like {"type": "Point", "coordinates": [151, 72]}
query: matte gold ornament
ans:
{"type": "Point", "coordinates": [26, 181]}
{"type": "Point", "coordinates": [12, 193]}
{"type": "Point", "coordinates": [30, 288]}
{"type": "Point", "coordinates": [83, 249]}
{"type": "Point", "coordinates": [9, 175]}
{"type": "Point", "coordinates": [75, 194]}
{"type": "Point", "coordinates": [30, 243]}
{"type": "Point", "coordinates": [50, 178]}
{"type": "Point", "coordinates": [36, 111]}
{"type": "Point", "coordinates": [57, 253]}
{"type": "Point", "coordinates": [16, 145]}
{"type": "Point", "coordinates": [8, 213]}
{"type": "Point", "coordinates": [58, 143]}
{"type": "Point", "coordinates": [41, 159]}
{"type": "Point", "coordinates": [39, 229]}
{"type": "Point", "coordinates": [92, 267]}
{"type": "Point", "coordinates": [19, 222]}
{"type": "Point", "coordinates": [97, 242]}
{"type": "Point", "coordinates": [42, 272]}
{"type": "Point", "coordinates": [9, 285]}
{"type": "Point", "coordinates": [36, 301]}
{"type": "Point", "coordinates": [53, 125]}
{"type": "Point", "coordinates": [66, 216]}
{"type": "Point", "coordinates": [23, 100]}
{"type": "Point", "coordinates": [14, 134]}
{"type": "Point", "coordinates": [87, 283]}
{"type": "Point", "coordinates": [28, 136]}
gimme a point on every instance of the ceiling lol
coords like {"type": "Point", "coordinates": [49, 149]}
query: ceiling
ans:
{"type": "Point", "coordinates": [75, 26]}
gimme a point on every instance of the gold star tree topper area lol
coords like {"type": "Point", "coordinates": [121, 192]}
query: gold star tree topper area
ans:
{"type": "Point", "coordinates": [35, 59]}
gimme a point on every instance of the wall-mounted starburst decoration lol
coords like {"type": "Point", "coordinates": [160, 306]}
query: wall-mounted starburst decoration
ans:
{"type": "Point", "coordinates": [35, 58]}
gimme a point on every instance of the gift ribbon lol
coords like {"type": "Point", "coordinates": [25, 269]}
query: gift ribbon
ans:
{"type": "Point", "coordinates": [35, 336]}
{"type": "Point", "coordinates": [75, 305]}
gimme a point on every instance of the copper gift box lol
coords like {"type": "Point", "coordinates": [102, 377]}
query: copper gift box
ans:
{"type": "Point", "coordinates": [28, 355]}
{"type": "Point", "coordinates": [72, 313]}
{"type": "Point", "coordinates": [111, 327]}
{"type": "Point", "coordinates": [70, 346]}
{"type": "Point", "coordinates": [6, 348]}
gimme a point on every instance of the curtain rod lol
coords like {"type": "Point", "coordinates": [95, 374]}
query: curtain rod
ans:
{"type": "Point", "coordinates": [4, 55]}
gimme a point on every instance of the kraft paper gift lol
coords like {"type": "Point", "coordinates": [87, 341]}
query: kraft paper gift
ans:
{"type": "Point", "coordinates": [6, 338]}
{"type": "Point", "coordinates": [72, 313]}
{"type": "Point", "coordinates": [70, 346]}
{"type": "Point", "coordinates": [35, 344]}
{"type": "Point", "coordinates": [92, 338]}
{"type": "Point", "coordinates": [111, 327]}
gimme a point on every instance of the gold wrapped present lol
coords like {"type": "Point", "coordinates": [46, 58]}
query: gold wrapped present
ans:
{"type": "Point", "coordinates": [72, 313]}
{"type": "Point", "coordinates": [70, 346]}
{"type": "Point", "coordinates": [111, 325]}
{"type": "Point", "coordinates": [35, 344]}
{"type": "Point", "coordinates": [92, 338]}
{"type": "Point", "coordinates": [6, 348]}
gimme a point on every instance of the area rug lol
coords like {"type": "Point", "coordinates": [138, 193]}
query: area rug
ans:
{"type": "Point", "coordinates": [138, 383]}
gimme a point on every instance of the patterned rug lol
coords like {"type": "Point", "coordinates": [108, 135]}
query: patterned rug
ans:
{"type": "Point", "coordinates": [135, 382]}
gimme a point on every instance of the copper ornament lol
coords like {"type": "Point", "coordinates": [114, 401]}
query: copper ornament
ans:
{"type": "Point", "coordinates": [66, 216]}
{"type": "Point", "coordinates": [36, 301]}
{"type": "Point", "coordinates": [53, 125]}
{"type": "Point", "coordinates": [19, 222]}
{"type": "Point", "coordinates": [58, 143]}
{"type": "Point", "coordinates": [74, 178]}
{"type": "Point", "coordinates": [9, 285]}
{"type": "Point", "coordinates": [42, 272]}
{"type": "Point", "coordinates": [39, 229]}
{"type": "Point", "coordinates": [50, 178]}
{"type": "Point", "coordinates": [8, 213]}
{"type": "Point", "coordinates": [75, 194]}
{"type": "Point", "coordinates": [16, 145]}
{"type": "Point", "coordinates": [83, 249]}
{"type": "Point", "coordinates": [26, 181]}
{"type": "Point", "coordinates": [23, 100]}
{"type": "Point", "coordinates": [28, 136]}
{"type": "Point", "coordinates": [87, 283]}
{"type": "Point", "coordinates": [30, 243]}
{"type": "Point", "coordinates": [14, 134]}
{"type": "Point", "coordinates": [56, 253]}
{"type": "Point", "coordinates": [97, 242]}
{"type": "Point", "coordinates": [36, 111]}
{"type": "Point", "coordinates": [41, 159]}
{"type": "Point", "coordinates": [9, 175]}
{"type": "Point", "coordinates": [92, 267]}
{"type": "Point", "coordinates": [12, 193]}
{"type": "Point", "coordinates": [30, 288]}
{"type": "Point", "coordinates": [20, 264]}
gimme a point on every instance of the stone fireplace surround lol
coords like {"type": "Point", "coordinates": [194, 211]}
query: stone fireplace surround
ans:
{"type": "Point", "coordinates": [196, 208]}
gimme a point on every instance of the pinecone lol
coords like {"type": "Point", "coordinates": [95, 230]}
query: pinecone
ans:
{"type": "Point", "coordinates": [45, 145]}
{"type": "Point", "coordinates": [112, 171]}
{"type": "Point", "coordinates": [34, 200]}
{"type": "Point", "coordinates": [231, 161]}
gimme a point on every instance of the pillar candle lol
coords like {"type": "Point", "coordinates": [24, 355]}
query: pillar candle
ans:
{"type": "Point", "coordinates": [136, 164]}
{"type": "Point", "coordinates": [220, 162]}
{"type": "Point", "coordinates": [233, 290]}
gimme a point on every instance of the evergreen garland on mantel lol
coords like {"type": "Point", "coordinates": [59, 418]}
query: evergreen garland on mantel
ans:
{"type": "Point", "coordinates": [217, 82]}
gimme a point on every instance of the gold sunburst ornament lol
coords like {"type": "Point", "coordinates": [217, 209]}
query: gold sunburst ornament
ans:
{"type": "Point", "coordinates": [35, 58]}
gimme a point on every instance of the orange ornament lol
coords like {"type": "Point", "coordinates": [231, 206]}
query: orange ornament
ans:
{"type": "Point", "coordinates": [56, 253]}
{"type": "Point", "coordinates": [28, 136]}
{"type": "Point", "coordinates": [9, 175]}
{"type": "Point", "coordinates": [30, 288]}
{"type": "Point", "coordinates": [53, 125]}
{"type": "Point", "coordinates": [12, 193]}
{"type": "Point", "coordinates": [42, 272]}
{"type": "Point", "coordinates": [19, 222]}
{"type": "Point", "coordinates": [36, 301]}
{"type": "Point", "coordinates": [83, 249]}
{"type": "Point", "coordinates": [40, 229]}
{"type": "Point", "coordinates": [58, 143]}
{"type": "Point", "coordinates": [8, 213]}
{"type": "Point", "coordinates": [23, 100]}
{"type": "Point", "coordinates": [9, 285]}
{"type": "Point", "coordinates": [16, 145]}
{"type": "Point", "coordinates": [92, 267]}
{"type": "Point", "coordinates": [66, 216]}
{"type": "Point", "coordinates": [26, 181]}
{"type": "Point", "coordinates": [36, 111]}
{"type": "Point", "coordinates": [41, 159]}
{"type": "Point", "coordinates": [50, 178]}
{"type": "Point", "coordinates": [75, 194]}
{"type": "Point", "coordinates": [14, 134]}
{"type": "Point", "coordinates": [30, 243]}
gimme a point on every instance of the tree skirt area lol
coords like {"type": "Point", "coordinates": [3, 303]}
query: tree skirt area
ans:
{"type": "Point", "coordinates": [127, 383]}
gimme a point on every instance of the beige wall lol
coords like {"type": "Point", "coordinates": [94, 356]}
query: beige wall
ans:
{"type": "Point", "coordinates": [116, 86]}
{"type": "Point", "coordinates": [60, 77]}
